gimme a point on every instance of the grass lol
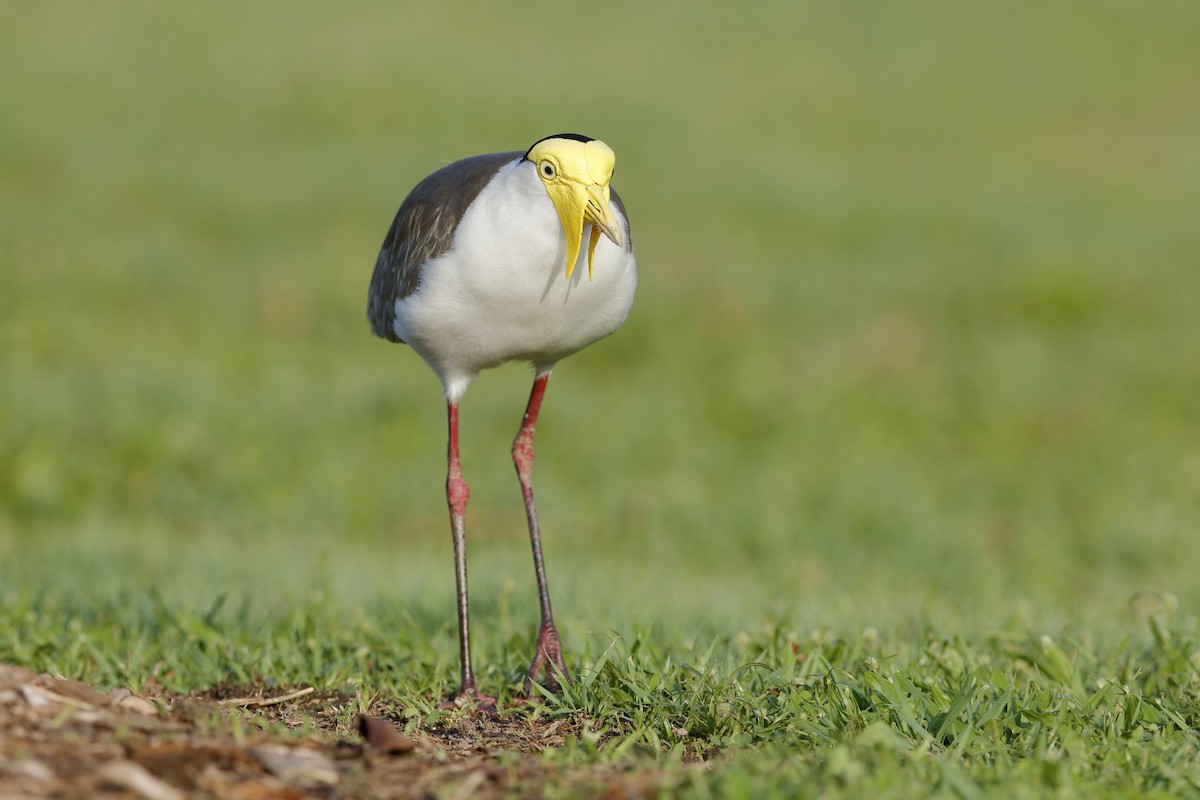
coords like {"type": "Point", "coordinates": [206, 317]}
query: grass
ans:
{"type": "Point", "coordinates": [909, 384]}
{"type": "Point", "coordinates": [993, 713]}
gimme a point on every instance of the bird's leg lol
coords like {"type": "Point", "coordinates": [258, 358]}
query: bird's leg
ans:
{"type": "Point", "coordinates": [457, 494]}
{"type": "Point", "coordinates": [549, 647]}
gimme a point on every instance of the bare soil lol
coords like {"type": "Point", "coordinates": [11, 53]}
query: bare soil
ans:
{"type": "Point", "coordinates": [64, 739]}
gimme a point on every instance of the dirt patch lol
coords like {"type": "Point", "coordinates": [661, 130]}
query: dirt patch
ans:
{"type": "Point", "coordinates": [62, 738]}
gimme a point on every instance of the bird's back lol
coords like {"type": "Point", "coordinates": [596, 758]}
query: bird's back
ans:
{"type": "Point", "coordinates": [423, 230]}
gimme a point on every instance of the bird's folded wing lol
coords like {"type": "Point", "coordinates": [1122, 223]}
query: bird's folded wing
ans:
{"type": "Point", "coordinates": [423, 230]}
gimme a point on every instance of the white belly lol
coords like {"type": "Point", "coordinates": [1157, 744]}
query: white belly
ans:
{"type": "Point", "coordinates": [501, 292]}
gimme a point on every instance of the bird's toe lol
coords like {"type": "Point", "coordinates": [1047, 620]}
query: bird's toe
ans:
{"type": "Point", "coordinates": [470, 698]}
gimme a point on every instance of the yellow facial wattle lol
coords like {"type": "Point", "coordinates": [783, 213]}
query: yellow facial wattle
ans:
{"type": "Point", "coordinates": [576, 176]}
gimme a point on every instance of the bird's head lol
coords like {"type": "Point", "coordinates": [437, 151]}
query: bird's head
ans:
{"type": "Point", "coordinates": [575, 171]}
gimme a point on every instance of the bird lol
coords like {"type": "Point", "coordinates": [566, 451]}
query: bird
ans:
{"type": "Point", "coordinates": [483, 265]}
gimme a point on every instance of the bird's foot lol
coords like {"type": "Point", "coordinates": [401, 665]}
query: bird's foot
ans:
{"type": "Point", "coordinates": [549, 654]}
{"type": "Point", "coordinates": [470, 697]}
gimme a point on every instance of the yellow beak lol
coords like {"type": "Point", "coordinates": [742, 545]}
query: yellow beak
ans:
{"type": "Point", "coordinates": [576, 204]}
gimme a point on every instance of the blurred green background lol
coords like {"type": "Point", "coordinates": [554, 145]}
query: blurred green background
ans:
{"type": "Point", "coordinates": [916, 332]}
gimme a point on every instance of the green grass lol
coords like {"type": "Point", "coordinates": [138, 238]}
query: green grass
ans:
{"type": "Point", "coordinates": [773, 712]}
{"type": "Point", "coordinates": [910, 381]}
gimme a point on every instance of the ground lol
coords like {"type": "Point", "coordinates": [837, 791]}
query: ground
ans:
{"type": "Point", "coordinates": [63, 738]}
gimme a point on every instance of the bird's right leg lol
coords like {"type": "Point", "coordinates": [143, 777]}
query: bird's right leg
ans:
{"type": "Point", "coordinates": [457, 494]}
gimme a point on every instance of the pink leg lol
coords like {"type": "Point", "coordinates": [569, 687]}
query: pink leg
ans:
{"type": "Point", "coordinates": [457, 495]}
{"type": "Point", "coordinates": [549, 647]}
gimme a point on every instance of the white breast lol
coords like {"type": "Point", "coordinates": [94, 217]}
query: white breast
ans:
{"type": "Point", "coordinates": [501, 292]}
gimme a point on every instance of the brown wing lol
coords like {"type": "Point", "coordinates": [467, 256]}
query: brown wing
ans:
{"type": "Point", "coordinates": [423, 230]}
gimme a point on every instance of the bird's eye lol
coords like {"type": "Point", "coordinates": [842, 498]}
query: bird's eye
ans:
{"type": "Point", "coordinates": [547, 169]}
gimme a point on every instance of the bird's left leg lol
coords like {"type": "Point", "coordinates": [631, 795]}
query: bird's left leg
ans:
{"type": "Point", "coordinates": [549, 646]}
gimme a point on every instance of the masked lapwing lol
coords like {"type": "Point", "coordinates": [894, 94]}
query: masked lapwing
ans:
{"type": "Point", "coordinates": [485, 264]}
